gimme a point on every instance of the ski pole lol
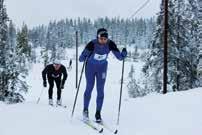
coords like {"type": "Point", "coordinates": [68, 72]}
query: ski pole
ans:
{"type": "Point", "coordinates": [40, 95]}
{"type": "Point", "coordinates": [70, 65]}
{"type": "Point", "coordinates": [78, 88]}
{"type": "Point", "coordinates": [77, 44]}
{"type": "Point", "coordinates": [121, 90]}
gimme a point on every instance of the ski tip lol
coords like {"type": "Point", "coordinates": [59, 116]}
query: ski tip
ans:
{"type": "Point", "coordinates": [116, 131]}
{"type": "Point", "coordinates": [101, 131]}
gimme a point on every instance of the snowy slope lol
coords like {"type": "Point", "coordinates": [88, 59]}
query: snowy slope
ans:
{"type": "Point", "coordinates": [171, 114]}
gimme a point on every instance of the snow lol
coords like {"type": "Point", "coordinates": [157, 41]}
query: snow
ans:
{"type": "Point", "coordinates": [175, 113]}
{"type": "Point", "coordinates": [172, 114]}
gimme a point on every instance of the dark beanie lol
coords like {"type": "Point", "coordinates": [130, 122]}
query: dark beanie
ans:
{"type": "Point", "coordinates": [102, 32]}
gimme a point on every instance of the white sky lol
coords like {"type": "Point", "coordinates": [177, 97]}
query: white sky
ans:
{"type": "Point", "coordinates": [35, 12]}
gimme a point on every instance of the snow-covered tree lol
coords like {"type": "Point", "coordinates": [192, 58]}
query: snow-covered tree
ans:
{"type": "Point", "coordinates": [11, 83]}
{"type": "Point", "coordinates": [123, 31]}
{"type": "Point", "coordinates": [182, 52]}
{"type": "Point", "coordinates": [135, 54]}
{"type": "Point", "coordinates": [12, 35]}
{"type": "Point", "coordinates": [134, 90]}
{"type": "Point", "coordinates": [23, 46]}
{"type": "Point", "coordinates": [20, 65]}
{"type": "Point", "coordinates": [200, 42]}
{"type": "Point", "coordinates": [3, 50]}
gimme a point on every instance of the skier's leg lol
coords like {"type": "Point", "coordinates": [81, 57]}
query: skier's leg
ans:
{"type": "Point", "coordinates": [50, 90]}
{"type": "Point", "coordinates": [90, 81]}
{"type": "Point", "coordinates": [100, 80]}
{"type": "Point", "coordinates": [58, 83]}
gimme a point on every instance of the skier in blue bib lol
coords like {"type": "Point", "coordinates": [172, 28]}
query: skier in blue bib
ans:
{"type": "Point", "coordinates": [95, 54]}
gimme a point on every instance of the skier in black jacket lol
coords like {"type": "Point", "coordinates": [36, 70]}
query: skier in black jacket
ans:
{"type": "Point", "coordinates": [54, 72]}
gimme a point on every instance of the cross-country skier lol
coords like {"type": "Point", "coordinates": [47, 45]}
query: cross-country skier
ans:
{"type": "Point", "coordinates": [96, 53]}
{"type": "Point", "coordinates": [54, 73]}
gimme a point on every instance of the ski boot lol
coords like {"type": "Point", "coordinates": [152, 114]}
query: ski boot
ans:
{"type": "Point", "coordinates": [50, 102]}
{"type": "Point", "coordinates": [59, 102]}
{"type": "Point", "coordinates": [85, 115]}
{"type": "Point", "coordinates": [98, 117]}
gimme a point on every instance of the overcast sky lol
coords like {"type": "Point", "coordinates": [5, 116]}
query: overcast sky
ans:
{"type": "Point", "coordinates": [35, 12]}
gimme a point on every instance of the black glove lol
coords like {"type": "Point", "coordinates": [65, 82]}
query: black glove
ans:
{"type": "Point", "coordinates": [44, 84]}
{"type": "Point", "coordinates": [124, 52]}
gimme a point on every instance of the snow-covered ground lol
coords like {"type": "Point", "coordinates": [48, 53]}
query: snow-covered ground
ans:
{"type": "Point", "coordinates": [172, 114]}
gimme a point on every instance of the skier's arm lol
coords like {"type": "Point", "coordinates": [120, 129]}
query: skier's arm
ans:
{"type": "Point", "coordinates": [87, 51]}
{"type": "Point", "coordinates": [44, 72]}
{"type": "Point", "coordinates": [64, 75]}
{"type": "Point", "coordinates": [119, 55]}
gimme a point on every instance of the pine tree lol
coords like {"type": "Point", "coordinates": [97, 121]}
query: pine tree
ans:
{"type": "Point", "coordinates": [10, 88]}
{"type": "Point", "coordinates": [3, 50]}
{"type": "Point", "coordinates": [137, 32]}
{"type": "Point", "coordinates": [135, 54]}
{"type": "Point", "coordinates": [182, 49]}
{"type": "Point", "coordinates": [12, 36]}
{"type": "Point", "coordinates": [200, 43]}
{"type": "Point", "coordinates": [134, 89]}
{"type": "Point", "coordinates": [20, 66]}
{"type": "Point", "coordinates": [23, 46]}
{"type": "Point", "coordinates": [191, 50]}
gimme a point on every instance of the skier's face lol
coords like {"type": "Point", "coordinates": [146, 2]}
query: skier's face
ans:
{"type": "Point", "coordinates": [57, 66]}
{"type": "Point", "coordinates": [102, 40]}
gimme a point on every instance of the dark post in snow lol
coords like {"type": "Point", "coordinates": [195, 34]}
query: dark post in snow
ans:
{"type": "Point", "coordinates": [165, 77]}
{"type": "Point", "coordinates": [177, 86]}
{"type": "Point", "coordinates": [76, 59]}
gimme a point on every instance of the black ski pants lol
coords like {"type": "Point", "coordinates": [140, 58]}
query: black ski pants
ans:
{"type": "Point", "coordinates": [51, 81]}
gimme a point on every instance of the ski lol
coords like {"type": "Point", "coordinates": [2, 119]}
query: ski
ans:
{"type": "Point", "coordinates": [59, 106]}
{"type": "Point", "coordinates": [63, 106]}
{"type": "Point", "coordinates": [91, 125]}
{"type": "Point", "coordinates": [105, 126]}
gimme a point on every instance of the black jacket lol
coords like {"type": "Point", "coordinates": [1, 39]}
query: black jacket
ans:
{"type": "Point", "coordinates": [52, 73]}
